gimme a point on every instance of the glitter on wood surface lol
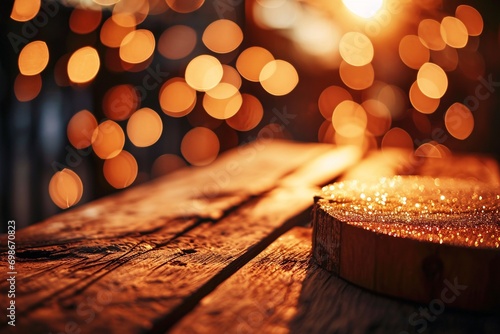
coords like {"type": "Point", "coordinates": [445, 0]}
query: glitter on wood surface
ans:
{"type": "Point", "coordinates": [450, 211]}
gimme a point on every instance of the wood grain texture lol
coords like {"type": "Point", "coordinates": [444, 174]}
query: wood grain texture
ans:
{"type": "Point", "coordinates": [138, 261]}
{"type": "Point", "coordinates": [283, 291]}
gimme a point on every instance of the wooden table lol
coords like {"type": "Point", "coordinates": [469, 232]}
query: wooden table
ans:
{"type": "Point", "coordinates": [219, 249]}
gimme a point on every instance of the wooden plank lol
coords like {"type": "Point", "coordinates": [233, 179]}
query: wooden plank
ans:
{"type": "Point", "coordinates": [139, 260]}
{"type": "Point", "coordinates": [283, 291]}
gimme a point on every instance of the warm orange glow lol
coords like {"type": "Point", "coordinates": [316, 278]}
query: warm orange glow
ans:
{"type": "Point", "coordinates": [471, 18]}
{"type": "Point", "coordinates": [231, 76]}
{"type": "Point", "coordinates": [428, 150]}
{"type": "Point", "coordinates": [166, 164]}
{"type": "Point", "coordinates": [144, 127]}
{"type": "Point", "coordinates": [65, 188]}
{"type": "Point", "coordinates": [356, 49]}
{"type": "Point", "coordinates": [120, 102]}
{"type": "Point", "coordinates": [326, 133]}
{"type": "Point", "coordinates": [364, 8]}
{"type": "Point", "coordinates": [80, 129]}
{"type": "Point", "coordinates": [454, 32]}
{"type": "Point", "coordinates": [113, 34]}
{"type": "Point", "coordinates": [128, 13]}
{"type": "Point", "coordinates": [248, 116]}
{"type": "Point", "coordinates": [278, 77]}
{"type": "Point", "coordinates": [251, 61]}
{"type": "Point", "coordinates": [137, 46]}
{"type": "Point", "coordinates": [412, 52]}
{"type": "Point", "coordinates": [222, 36]}
{"type": "Point", "coordinates": [24, 10]}
{"type": "Point", "coordinates": [422, 102]}
{"type": "Point", "coordinates": [447, 58]}
{"type": "Point", "coordinates": [108, 140]}
{"type": "Point", "coordinates": [26, 88]}
{"type": "Point", "coordinates": [120, 171]}
{"type": "Point", "coordinates": [349, 119]}
{"type": "Point", "coordinates": [459, 121]}
{"type": "Point", "coordinates": [204, 72]}
{"type": "Point", "coordinates": [222, 108]}
{"type": "Point", "coordinates": [357, 77]}
{"type": "Point", "coordinates": [397, 137]}
{"type": "Point", "coordinates": [432, 81]}
{"type": "Point", "coordinates": [177, 42]}
{"type": "Point", "coordinates": [228, 85]}
{"type": "Point", "coordinates": [329, 98]}
{"type": "Point", "coordinates": [429, 32]}
{"type": "Point", "coordinates": [84, 21]}
{"type": "Point", "coordinates": [105, 2]}
{"type": "Point", "coordinates": [83, 65]}
{"type": "Point", "coordinates": [185, 6]}
{"type": "Point", "coordinates": [177, 98]}
{"type": "Point", "coordinates": [392, 96]}
{"type": "Point", "coordinates": [200, 146]}
{"type": "Point", "coordinates": [33, 58]}
{"type": "Point", "coordinates": [378, 117]}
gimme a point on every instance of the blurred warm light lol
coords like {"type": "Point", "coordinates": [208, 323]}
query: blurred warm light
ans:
{"type": "Point", "coordinates": [84, 21]}
{"type": "Point", "coordinates": [120, 102]}
{"type": "Point", "coordinates": [363, 8]}
{"type": "Point", "coordinates": [112, 34]}
{"type": "Point", "coordinates": [204, 72]}
{"type": "Point", "coordinates": [26, 88]}
{"type": "Point", "coordinates": [222, 36]}
{"type": "Point", "coordinates": [248, 116]}
{"type": "Point", "coordinates": [120, 171]}
{"type": "Point", "coordinates": [429, 31]}
{"type": "Point", "coordinates": [392, 96]}
{"type": "Point", "coordinates": [222, 108]}
{"type": "Point", "coordinates": [329, 98]}
{"type": "Point", "coordinates": [317, 35]}
{"type": "Point", "coordinates": [363, 141]}
{"type": "Point", "coordinates": [166, 164]}
{"type": "Point", "coordinates": [177, 42]}
{"type": "Point", "coordinates": [278, 77]}
{"type": "Point", "coordinates": [471, 64]}
{"type": "Point", "coordinates": [422, 102]}
{"type": "Point", "coordinates": [108, 140]}
{"type": "Point", "coordinates": [222, 91]}
{"type": "Point", "coordinates": [357, 77]}
{"type": "Point", "coordinates": [447, 58]}
{"type": "Point", "coordinates": [459, 121]}
{"type": "Point", "coordinates": [356, 49]}
{"type": "Point", "coordinates": [326, 133]}
{"type": "Point", "coordinates": [177, 98]}
{"type": "Point", "coordinates": [471, 18]}
{"type": "Point", "coordinates": [412, 52]}
{"type": "Point", "coordinates": [432, 80]}
{"type": "Point", "coordinates": [105, 2]}
{"type": "Point", "coordinates": [276, 14]}
{"type": "Point", "coordinates": [454, 32]}
{"type": "Point", "coordinates": [421, 121]}
{"type": "Point", "coordinates": [231, 76]}
{"type": "Point", "coordinates": [185, 6]}
{"type": "Point", "coordinates": [83, 65]}
{"type": "Point", "coordinates": [130, 12]}
{"type": "Point", "coordinates": [33, 58]}
{"type": "Point", "coordinates": [144, 127]}
{"type": "Point", "coordinates": [65, 188]}
{"type": "Point", "coordinates": [200, 146]}
{"type": "Point", "coordinates": [378, 117]}
{"type": "Point", "coordinates": [80, 128]}
{"type": "Point", "coordinates": [397, 137]}
{"type": "Point", "coordinates": [349, 119]}
{"type": "Point", "coordinates": [443, 150]}
{"type": "Point", "coordinates": [200, 118]}
{"type": "Point", "coordinates": [251, 61]}
{"type": "Point", "coordinates": [137, 46]}
{"type": "Point", "coordinates": [24, 10]}
{"type": "Point", "coordinates": [428, 150]}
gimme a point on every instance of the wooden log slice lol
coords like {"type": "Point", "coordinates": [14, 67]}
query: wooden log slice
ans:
{"type": "Point", "coordinates": [424, 239]}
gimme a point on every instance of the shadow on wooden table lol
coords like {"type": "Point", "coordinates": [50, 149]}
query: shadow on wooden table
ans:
{"type": "Point", "coordinates": [328, 304]}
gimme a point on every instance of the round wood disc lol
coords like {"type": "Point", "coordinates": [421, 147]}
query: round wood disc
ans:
{"type": "Point", "coordinates": [429, 240]}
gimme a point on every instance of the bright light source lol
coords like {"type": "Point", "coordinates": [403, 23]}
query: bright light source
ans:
{"type": "Point", "coordinates": [363, 8]}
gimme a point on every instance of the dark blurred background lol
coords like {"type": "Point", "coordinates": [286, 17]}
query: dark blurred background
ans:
{"type": "Point", "coordinates": [33, 141]}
